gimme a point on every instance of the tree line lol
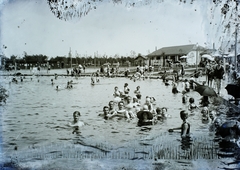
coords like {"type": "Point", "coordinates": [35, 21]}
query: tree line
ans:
{"type": "Point", "coordinates": [63, 61]}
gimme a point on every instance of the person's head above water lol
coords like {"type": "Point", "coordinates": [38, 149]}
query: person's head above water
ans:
{"type": "Point", "coordinates": [76, 115]}
{"type": "Point", "coordinates": [145, 107]}
{"type": "Point", "coordinates": [184, 115]}
{"type": "Point", "coordinates": [120, 104]}
{"type": "Point", "coordinates": [111, 104]}
{"type": "Point", "coordinates": [158, 110]}
{"type": "Point", "coordinates": [164, 109]}
{"type": "Point", "coordinates": [191, 100]}
{"type": "Point", "coordinates": [105, 109]}
{"type": "Point", "coordinates": [212, 114]}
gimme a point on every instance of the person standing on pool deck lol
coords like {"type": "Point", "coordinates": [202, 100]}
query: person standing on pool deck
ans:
{"type": "Point", "coordinates": [185, 127]}
{"type": "Point", "coordinates": [218, 75]}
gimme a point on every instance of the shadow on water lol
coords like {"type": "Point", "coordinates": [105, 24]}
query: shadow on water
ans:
{"type": "Point", "coordinates": [186, 143]}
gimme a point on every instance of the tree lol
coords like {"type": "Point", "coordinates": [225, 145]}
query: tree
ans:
{"type": "Point", "coordinates": [132, 54]}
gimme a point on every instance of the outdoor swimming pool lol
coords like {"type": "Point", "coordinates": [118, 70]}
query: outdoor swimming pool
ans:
{"type": "Point", "coordinates": [37, 115]}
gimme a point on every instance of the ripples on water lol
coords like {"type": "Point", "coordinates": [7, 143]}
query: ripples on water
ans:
{"type": "Point", "coordinates": [36, 113]}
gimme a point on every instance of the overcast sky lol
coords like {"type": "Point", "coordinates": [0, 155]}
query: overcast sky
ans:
{"type": "Point", "coordinates": [29, 25]}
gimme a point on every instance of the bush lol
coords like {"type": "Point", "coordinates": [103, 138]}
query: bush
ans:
{"type": "Point", "coordinates": [3, 95]}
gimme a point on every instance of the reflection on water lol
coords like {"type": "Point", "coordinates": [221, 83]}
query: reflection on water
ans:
{"type": "Point", "coordinates": [37, 114]}
{"type": "Point", "coordinates": [186, 142]}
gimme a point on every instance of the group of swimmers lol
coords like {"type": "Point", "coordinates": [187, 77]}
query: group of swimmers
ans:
{"type": "Point", "coordinates": [126, 106]}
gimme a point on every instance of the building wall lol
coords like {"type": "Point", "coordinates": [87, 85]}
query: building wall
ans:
{"type": "Point", "coordinates": [193, 58]}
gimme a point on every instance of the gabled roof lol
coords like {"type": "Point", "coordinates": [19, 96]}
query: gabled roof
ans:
{"type": "Point", "coordinates": [141, 57]}
{"type": "Point", "coordinates": [176, 50]}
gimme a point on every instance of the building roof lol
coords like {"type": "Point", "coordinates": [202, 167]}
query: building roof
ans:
{"type": "Point", "coordinates": [176, 50]}
{"type": "Point", "coordinates": [141, 58]}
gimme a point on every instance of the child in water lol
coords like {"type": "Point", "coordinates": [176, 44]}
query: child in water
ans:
{"type": "Point", "coordinates": [192, 105]}
{"type": "Point", "coordinates": [185, 127]}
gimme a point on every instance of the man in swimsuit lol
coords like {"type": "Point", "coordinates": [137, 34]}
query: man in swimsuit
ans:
{"type": "Point", "coordinates": [121, 111]}
{"type": "Point", "coordinates": [218, 75]}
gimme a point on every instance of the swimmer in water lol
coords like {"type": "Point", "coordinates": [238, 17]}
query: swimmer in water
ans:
{"type": "Point", "coordinates": [105, 113]}
{"type": "Point", "coordinates": [57, 88]}
{"type": "Point", "coordinates": [76, 122]}
{"type": "Point", "coordinates": [174, 88]}
{"type": "Point", "coordinates": [116, 92]}
{"type": "Point", "coordinates": [137, 92]}
{"type": "Point", "coordinates": [112, 110]}
{"type": "Point", "coordinates": [150, 105]}
{"type": "Point", "coordinates": [52, 82]}
{"type": "Point", "coordinates": [126, 89]}
{"type": "Point", "coordinates": [205, 114]}
{"type": "Point", "coordinates": [121, 111]}
{"type": "Point", "coordinates": [161, 113]}
{"type": "Point", "coordinates": [192, 104]}
{"type": "Point", "coordinates": [146, 118]}
{"type": "Point", "coordinates": [131, 107]}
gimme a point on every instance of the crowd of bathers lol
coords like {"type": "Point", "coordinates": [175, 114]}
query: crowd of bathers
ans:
{"type": "Point", "coordinates": [130, 107]}
{"type": "Point", "coordinates": [127, 107]}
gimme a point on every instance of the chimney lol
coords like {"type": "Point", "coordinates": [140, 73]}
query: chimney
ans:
{"type": "Point", "coordinates": [156, 48]}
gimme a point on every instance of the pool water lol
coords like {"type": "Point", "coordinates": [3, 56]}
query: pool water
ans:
{"type": "Point", "coordinates": [37, 114]}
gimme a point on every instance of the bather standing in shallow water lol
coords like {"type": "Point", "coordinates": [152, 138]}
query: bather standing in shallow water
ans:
{"type": "Point", "coordinates": [76, 123]}
{"type": "Point", "coordinates": [137, 92]}
{"type": "Point", "coordinates": [131, 108]}
{"type": "Point", "coordinates": [185, 127]}
{"type": "Point", "coordinates": [174, 88]}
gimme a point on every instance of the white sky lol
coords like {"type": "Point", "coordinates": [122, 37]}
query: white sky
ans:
{"type": "Point", "coordinates": [29, 25]}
